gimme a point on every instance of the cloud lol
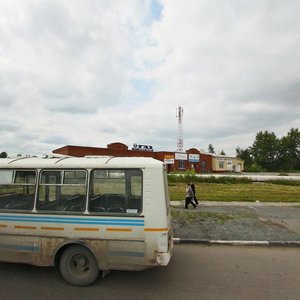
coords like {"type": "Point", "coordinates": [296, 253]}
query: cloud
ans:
{"type": "Point", "coordinates": [8, 126]}
{"type": "Point", "coordinates": [97, 71]}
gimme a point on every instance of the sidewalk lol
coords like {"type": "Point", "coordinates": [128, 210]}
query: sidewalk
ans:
{"type": "Point", "coordinates": [242, 223]}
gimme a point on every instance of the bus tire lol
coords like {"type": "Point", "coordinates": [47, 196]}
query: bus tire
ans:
{"type": "Point", "coordinates": [78, 266]}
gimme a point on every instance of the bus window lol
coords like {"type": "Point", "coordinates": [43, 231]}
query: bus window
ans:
{"type": "Point", "coordinates": [63, 190]}
{"type": "Point", "coordinates": [17, 189]}
{"type": "Point", "coordinates": [116, 191]}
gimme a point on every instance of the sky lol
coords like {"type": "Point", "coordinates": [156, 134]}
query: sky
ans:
{"type": "Point", "coordinates": [94, 72]}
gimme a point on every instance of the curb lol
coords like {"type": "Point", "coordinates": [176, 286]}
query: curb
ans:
{"type": "Point", "coordinates": [181, 203]}
{"type": "Point", "coordinates": [237, 243]}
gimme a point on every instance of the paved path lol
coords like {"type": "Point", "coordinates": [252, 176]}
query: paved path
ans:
{"type": "Point", "coordinates": [257, 223]}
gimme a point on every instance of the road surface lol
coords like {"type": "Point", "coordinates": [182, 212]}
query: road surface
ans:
{"type": "Point", "coordinates": [195, 272]}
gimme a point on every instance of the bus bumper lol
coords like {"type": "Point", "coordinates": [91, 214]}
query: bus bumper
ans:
{"type": "Point", "coordinates": [163, 259]}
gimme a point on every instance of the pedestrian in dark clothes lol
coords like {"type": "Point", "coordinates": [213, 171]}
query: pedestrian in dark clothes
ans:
{"type": "Point", "coordinates": [194, 192]}
{"type": "Point", "coordinates": [189, 196]}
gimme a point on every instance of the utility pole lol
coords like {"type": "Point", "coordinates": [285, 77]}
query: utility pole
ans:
{"type": "Point", "coordinates": [179, 115]}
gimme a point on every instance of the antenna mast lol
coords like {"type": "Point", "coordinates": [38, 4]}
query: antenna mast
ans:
{"type": "Point", "coordinates": [179, 115]}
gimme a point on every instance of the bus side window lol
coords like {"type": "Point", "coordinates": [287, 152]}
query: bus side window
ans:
{"type": "Point", "coordinates": [135, 199]}
{"type": "Point", "coordinates": [62, 190]}
{"type": "Point", "coordinates": [115, 191]}
{"type": "Point", "coordinates": [17, 189]}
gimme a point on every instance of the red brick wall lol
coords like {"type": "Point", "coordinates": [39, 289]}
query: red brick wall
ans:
{"type": "Point", "coordinates": [119, 149]}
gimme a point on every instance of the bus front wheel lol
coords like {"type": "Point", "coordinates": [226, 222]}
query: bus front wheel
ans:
{"type": "Point", "coordinates": [78, 266]}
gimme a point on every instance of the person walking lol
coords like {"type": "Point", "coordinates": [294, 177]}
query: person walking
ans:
{"type": "Point", "coordinates": [189, 196]}
{"type": "Point", "coordinates": [194, 192]}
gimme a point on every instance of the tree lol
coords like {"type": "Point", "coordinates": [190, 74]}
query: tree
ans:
{"type": "Point", "coordinates": [245, 155]}
{"type": "Point", "coordinates": [222, 152]}
{"type": "Point", "coordinates": [271, 153]}
{"type": "Point", "coordinates": [289, 150]}
{"type": "Point", "coordinates": [265, 150]}
{"type": "Point", "coordinates": [3, 155]}
{"type": "Point", "coordinates": [211, 149]}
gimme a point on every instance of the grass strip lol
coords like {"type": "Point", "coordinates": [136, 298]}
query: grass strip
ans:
{"type": "Point", "coordinates": [263, 192]}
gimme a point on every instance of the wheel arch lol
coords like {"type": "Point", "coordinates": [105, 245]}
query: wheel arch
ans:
{"type": "Point", "coordinates": [59, 251]}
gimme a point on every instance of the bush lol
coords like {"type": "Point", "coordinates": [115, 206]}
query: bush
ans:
{"type": "Point", "coordinates": [173, 178]}
{"type": "Point", "coordinates": [286, 182]}
{"type": "Point", "coordinates": [255, 168]}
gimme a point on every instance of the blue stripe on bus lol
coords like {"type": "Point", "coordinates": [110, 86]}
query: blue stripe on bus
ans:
{"type": "Point", "coordinates": [127, 253]}
{"type": "Point", "coordinates": [20, 247]}
{"type": "Point", "coordinates": [72, 220]}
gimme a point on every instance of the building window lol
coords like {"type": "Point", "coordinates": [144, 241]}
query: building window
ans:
{"type": "Point", "coordinates": [221, 164]}
{"type": "Point", "coordinates": [181, 165]}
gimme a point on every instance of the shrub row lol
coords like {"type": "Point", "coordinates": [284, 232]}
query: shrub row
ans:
{"type": "Point", "coordinates": [173, 178]}
{"type": "Point", "coordinates": [286, 182]}
{"type": "Point", "coordinates": [185, 178]}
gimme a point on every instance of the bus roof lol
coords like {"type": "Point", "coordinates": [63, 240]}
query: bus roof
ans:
{"type": "Point", "coordinates": [79, 162]}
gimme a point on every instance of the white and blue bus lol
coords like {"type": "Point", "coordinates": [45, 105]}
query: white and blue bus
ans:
{"type": "Point", "coordinates": [85, 214]}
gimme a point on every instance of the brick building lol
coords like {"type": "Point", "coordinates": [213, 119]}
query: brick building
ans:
{"type": "Point", "coordinates": [192, 159]}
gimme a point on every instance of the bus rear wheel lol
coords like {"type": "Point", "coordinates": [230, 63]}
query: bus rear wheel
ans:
{"type": "Point", "coordinates": [78, 266]}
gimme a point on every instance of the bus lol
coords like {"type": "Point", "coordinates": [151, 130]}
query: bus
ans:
{"type": "Point", "coordinates": [85, 214]}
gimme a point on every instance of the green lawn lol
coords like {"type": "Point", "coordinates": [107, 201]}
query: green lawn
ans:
{"type": "Point", "coordinates": [263, 192]}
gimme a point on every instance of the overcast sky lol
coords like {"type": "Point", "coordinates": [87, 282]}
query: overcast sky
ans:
{"type": "Point", "coordinates": [93, 72]}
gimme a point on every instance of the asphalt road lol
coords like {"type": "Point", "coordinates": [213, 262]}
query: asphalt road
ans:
{"type": "Point", "coordinates": [195, 272]}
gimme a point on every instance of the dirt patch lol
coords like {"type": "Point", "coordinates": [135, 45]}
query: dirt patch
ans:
{"type": "Point", "coordinates": [279, 223]}
{"type": "Point", "coordinates": [244, 223]}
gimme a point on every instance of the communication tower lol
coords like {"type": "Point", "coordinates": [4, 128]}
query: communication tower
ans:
{"type": "Point", "coordinates": [179, 115]}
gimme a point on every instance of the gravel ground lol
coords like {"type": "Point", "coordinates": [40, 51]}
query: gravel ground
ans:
{"type": "Point", "coordinates": [237, 222]}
